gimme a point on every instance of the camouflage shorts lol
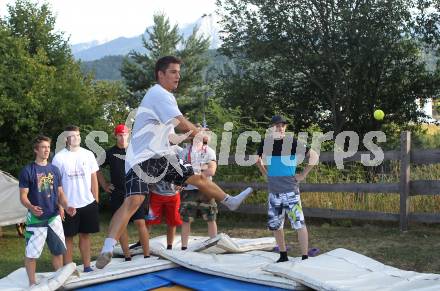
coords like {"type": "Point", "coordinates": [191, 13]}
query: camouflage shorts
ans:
{"type": "Point", "coordinates": [194, 203]}
{"type": "Point", "coordinates": [279, 205]}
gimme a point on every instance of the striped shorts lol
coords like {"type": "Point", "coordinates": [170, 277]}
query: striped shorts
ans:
{"type": "Point", "coordinates": [154, 170]}
{"type": "Point", "coordinates": [39, 231]}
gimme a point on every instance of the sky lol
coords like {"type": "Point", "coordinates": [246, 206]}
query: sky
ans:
{"type": "Point", "coordinates": [103, 20]}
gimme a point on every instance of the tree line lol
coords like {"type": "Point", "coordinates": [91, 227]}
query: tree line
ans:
{"type": "Point", "coordinates": [325, 65]}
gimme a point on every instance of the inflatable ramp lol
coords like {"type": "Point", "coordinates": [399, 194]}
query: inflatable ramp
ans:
{"type": "Point", "coordinates": [338, 270]}
{"type": "Point", "coordinates": [71, 277]}
{"type": "Point", "coordinates": [220, 244]}
{"type": "Point", "coordinates": [342, 269]}
{"type": "Point", "coordinates": [117, 269]}
{"type": "Point", "coordinates": [178, 279]}
{"type": "Point", "coordinates": [247, 267]}
{"type": "Point", "coordinates": [18, 280]}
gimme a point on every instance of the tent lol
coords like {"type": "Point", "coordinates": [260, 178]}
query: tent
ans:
{"type": "Point", "coordinates": [12, 211]}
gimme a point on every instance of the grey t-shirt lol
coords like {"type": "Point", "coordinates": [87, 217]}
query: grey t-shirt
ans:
{"type": "Point", "coordinates": [197, 158]}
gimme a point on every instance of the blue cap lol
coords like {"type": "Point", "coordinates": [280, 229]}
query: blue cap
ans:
{"type": "Point", "coordinates": [278, 119]}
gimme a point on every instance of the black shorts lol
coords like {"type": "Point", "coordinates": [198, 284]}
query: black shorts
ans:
{"type": "Point", "coordinates": [149, 171]}
{"type": "Point", "coordinates": [86, 220]}
{"type": "Point", "coordinates": [116, 200]}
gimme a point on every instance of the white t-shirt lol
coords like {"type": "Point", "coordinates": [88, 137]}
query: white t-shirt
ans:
{"type": "Point", "coordinates": [197, 158]}
{"type": "Point", "coordinates": [76, 169]}
{"type": "Point", "coordinates": [152, 127]}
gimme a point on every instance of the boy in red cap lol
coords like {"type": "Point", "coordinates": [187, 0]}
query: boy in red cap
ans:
{"type": "Point", "coordinates": [115, 160]}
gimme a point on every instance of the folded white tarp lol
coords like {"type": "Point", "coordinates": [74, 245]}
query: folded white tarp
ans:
{"type": "Point", "coordinates": [18, 280]}
{"type": "Point", "coordinates": [222, 243]}
{"type": "Point", "coordinates": [12, 211]}
{"type": "Point", "coordinates": [117, 269]}
{"type": "Point", "coordinates": [72, 277]}
{"type": "Point", "coordinates": [246, 267]}
{"type": "Point", "coordinates": [342, 269]}
{"type": "Point", "coordinates": [158, 244]}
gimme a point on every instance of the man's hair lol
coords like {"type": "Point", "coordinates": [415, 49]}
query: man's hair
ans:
{"type": "Point", "coordinates": [163, 63]}
{"type": "Point", "coordinates": [71, 128]}
{"type": "Point", "coordinates": [39, 139]}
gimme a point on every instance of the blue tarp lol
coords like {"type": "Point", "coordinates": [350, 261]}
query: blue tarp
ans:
{"type": "Point", "coordinates": [140, 282]}
{"type": "Point", "coordinates": [179, 276]}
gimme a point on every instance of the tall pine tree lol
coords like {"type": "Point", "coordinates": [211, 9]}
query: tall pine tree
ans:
{"type": "Point", "coordinates": [164, 39]}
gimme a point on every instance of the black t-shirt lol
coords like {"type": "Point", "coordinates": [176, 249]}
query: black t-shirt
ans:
{"type": "Point", "coordinates": [115, 159]}
{"type": "Point", "coordinates": [278, 146]}
{"type": "Point", "coordinates": [280, 171]}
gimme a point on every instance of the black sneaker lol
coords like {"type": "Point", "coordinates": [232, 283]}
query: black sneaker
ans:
{"type": "Point", "coordinates": [134, 246]}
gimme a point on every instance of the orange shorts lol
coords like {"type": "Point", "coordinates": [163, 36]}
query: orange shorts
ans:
{"type": "Point", "coordinates": [167, 206]}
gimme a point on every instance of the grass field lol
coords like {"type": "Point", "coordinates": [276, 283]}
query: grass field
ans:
{"type": "Point", "coordinates": [415, 250]}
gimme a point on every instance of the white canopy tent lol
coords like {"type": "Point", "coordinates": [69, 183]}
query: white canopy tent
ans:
{"type": "Point", "coordinates": [11, 210]}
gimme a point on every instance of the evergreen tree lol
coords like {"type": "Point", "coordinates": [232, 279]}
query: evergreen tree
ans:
{"type": "Point", "coordinates": [164, 39]}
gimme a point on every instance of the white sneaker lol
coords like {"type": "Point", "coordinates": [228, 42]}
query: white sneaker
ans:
{"type": "Point", "coordinates": [103, 259]}
{"type": "Point", "coordinates": [233, 202]}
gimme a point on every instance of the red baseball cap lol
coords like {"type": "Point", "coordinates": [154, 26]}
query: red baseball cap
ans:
{"type": "Point", "coordinates": [121, 128]}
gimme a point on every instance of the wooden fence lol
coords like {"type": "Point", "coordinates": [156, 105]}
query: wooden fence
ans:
{"type": "Point", "coordinates": [405, 187]}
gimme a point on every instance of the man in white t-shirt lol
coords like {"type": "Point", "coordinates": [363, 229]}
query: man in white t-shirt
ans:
{"type": "Point", "coordinates": [203, 160]}
{"type": "Point", "coordinates": [150, 157]}
{"type": "Point", "coordinates": [78, 169]}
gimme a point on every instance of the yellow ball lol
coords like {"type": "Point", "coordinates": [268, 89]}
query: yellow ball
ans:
{"type": "Point", "coordinates": [379, 114]}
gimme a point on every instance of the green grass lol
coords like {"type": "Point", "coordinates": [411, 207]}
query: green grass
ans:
{"type": "Point", "coordinates": [413, 250]}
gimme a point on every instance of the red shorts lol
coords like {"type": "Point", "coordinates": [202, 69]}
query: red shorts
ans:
{"type": "Point", "coordinates": [164, 205]}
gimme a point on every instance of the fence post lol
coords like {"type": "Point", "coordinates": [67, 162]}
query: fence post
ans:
{"type": "Point", "coordinates": [404, 186]}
